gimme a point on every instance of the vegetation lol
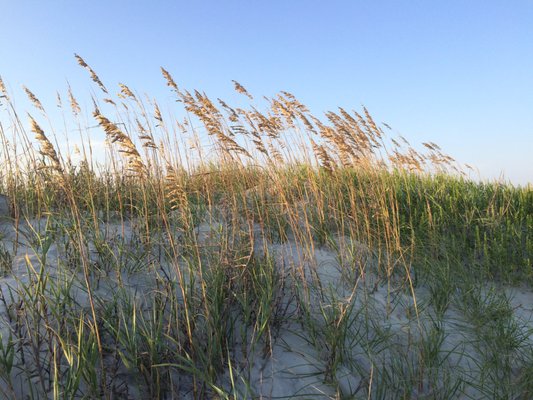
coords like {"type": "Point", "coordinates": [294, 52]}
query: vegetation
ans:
{"type": "Point", "coordinates": [236, 253]}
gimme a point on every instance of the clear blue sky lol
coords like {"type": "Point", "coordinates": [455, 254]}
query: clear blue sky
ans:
{"type": "Point", "coordinates": [456, 72]}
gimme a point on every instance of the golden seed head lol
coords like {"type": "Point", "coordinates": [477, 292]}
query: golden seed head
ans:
{"type": "Point", "coordinates": [240, 89]}
{"type": "Point", "coordinates": [168, 77]}
{"type": "Point", "coordinates": [35, 101]}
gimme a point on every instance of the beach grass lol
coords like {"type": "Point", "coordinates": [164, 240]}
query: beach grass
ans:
{"type": "Point", "coordinates": [235, 253]}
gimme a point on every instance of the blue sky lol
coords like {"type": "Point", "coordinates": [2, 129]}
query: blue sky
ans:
{"type": "Point", "coordinates": [459, 73]}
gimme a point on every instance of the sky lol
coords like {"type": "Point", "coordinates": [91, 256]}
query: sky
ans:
{"type": "Point", "coordinates": [455, 72]}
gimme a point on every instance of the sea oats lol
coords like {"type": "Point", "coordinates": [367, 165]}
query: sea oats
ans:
{"type": "Point", "coordinates": [46, 147]}
{"type": "Point", "coordinates": [94, 77]}
{"type": "Point", "coordinates": [170, 81]}
{"type": "Point", "coordinates": [135, 163]}
{"type": "Point", "coordinates": [435, 146]}
{"type": "Point", "coordinates": [157, 113]}
{"type": "Point", "coordinates": [175, 189]}
{"type": "Point", "coordinates": [182, 127]}
{"type": "Point", "coordinates": [404, 140]}
{"type": "Point", "coordinates": [348, 118]}
{"type": "Point", "coordinates": [271, 125]}
{"type": "Point", "coordinates": [294, 103]}
{"type": "Point", "coordinates": [233, 116]}
{"type": "Point", "coordinates": [240, 89]}
{"type": "Point", "coordinates": [202, 107]}
{"type": "Point", "coordinates": [309, 126]}
{"type": "Point", "coordinates": [256, 140]}
{"type": "Point", "coordinates": [3, 90]}
{"type": "Point", "coordinates": [322, 155]}
{"type": "Point", "coordinates": [396, 143]}
{"type": "Point", "coordinates": [238, 130]}
{"type": "Point", "coordinates": [74, 106]}
{"type": "Point", "coordinates": [260, 146]}
{"type": "Point", "coordinates": [377, 131]}
{"type": "Point", "coordinates": [225, 248]}
{"type": "Point", "coordinates": [126, 92]}
{"type": "Point", "coordinates": [145, 136]}
{"type": "Point", "coordinates": [276, 155]}
{"type": "Point", "coordinates": [282, 110]}
{"type": "Point", "coordinates": [140, 126]}
{"type": "Point", "coordinates": [35, 101]}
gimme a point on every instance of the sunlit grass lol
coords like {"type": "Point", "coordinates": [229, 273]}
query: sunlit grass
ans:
{"type": "Point", "coordinates": [277, 248]}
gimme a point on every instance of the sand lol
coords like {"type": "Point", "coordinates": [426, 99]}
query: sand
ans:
{"type": "Point", "coordinates": [295, 364]}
